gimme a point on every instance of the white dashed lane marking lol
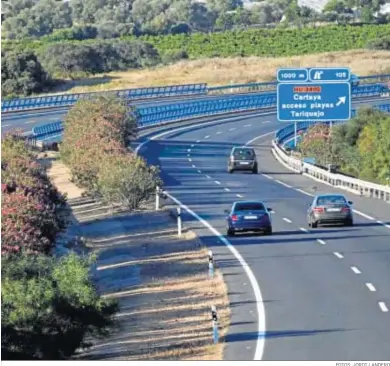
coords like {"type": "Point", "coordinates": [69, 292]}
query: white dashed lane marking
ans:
{"type": "Point", "coordinates": [364, 215]}
{"type": "Point", "coordinates": [217, 182]}
{"type": "Point", "coordinates": [207, 176]}
{"type": "Point", "coordinates": [232, 129]}
{"type": "Point", "coordinates": [267, 176]}
{"type": "Point", "coordinates": [199, 171]}
{"type": "Point", "coordinates": [227, 189]}
{"type": "Point", "coordinates": [247, 125]}
{"type": "Point", "coordinates": [356, 270]}
{"type": "Point", "coordinates": [283, 184]}
{"type": "Point", "coordinates": [371, 287]}
{"type": "Point", "coordinates": [266, 122]}
{"type": "Point", "coordinates": [239, 195]}
{"type": "Point", "coordinates": [302, 191]}
{"type": "Point", "coordinates": [189, 159]}
{"type": "Point", "coordinates": [287, 220]}
{"type": "Point", "coordinates": [383, 307]}
{"type": "Point", "coordinates": [321, 241]}
{"type": "Point", "coordinates": [206, 137]}
{"type": "Point", "coordinates": [304, 230]}
{"type": "Point", "coordinates": [193, 166]}
{"type": "Point", "coordinates": [338, 255]}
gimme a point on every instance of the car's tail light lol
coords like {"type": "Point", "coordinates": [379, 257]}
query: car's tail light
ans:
{"type": "Point", "coordinates": [234, 217]}
{"type": "Point", "coordinates": [318, 209]}
{"type": "Point", "coordinates": [345, 209]}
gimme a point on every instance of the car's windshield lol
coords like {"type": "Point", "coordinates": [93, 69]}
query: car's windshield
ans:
{"type": "Point", "coordinates": [251, 206]}
{"type": "Point", "coordinates": [330, 200]}
{"type": "Point", "coordinates": [243, 154]}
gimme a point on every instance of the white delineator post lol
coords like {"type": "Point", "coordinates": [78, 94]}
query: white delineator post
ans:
{"type": "Point", "coordinates": [214, 318]}
{"type": "Point", "coordinates": [211, 265]}
{"type": "Point", "coordinates": [157, 198]}
{"type": "Point", "coordinates": [179, 225]}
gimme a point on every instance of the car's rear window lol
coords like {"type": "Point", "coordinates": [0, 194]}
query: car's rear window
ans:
{"type": "Point", "coordinates": [243, 154]}
{"type": "Point", "coordinates": [249, 207]}
{"type": "Point", "coordinates": [331, 200]}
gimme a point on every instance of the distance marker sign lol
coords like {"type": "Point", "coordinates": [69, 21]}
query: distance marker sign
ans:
{"type": "Point", "coordinates": [298, 102]}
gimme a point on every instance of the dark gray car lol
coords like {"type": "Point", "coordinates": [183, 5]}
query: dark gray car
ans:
{"type": "Point", "coordinates": [330, 209]}
{"type": "Point", "coordinates": [242, 159]}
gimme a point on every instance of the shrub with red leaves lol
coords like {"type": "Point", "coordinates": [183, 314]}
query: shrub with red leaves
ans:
{"type": "Point", "coordinates": [30, 203]}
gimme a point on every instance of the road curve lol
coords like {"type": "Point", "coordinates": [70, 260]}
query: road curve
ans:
{"type": "Point", "coordinates": [325, 291]}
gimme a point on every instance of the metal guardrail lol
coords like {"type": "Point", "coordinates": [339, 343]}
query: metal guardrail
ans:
{"type": "Point", "coordinates": [64, 100]}
{"type": "Point", "coordinates": [147, 116]}
{"type": "Point", "coordinates": [353, 185]}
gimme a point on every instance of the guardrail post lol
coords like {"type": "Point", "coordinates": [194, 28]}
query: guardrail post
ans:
{"type": "Point", "coordinates": [214, 318]}
{"type": "Point", "coordinates": [211, 265]}
{"type": "Point", "coordinates": [157, 198]}
{"type": "Point", "coordinates": [295, 134]}
{"type": "Point", "coordinates": [179, 223]}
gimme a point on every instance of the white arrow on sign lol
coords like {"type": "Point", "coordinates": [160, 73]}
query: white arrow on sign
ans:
{"type": "Point", "coordinates": [341, 101]}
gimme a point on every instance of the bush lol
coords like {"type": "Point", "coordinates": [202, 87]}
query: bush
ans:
{"type": "Point", "coordinates": [127, 180]}
{"type": "Point", "coordinates": [93, 128]}
{"type": "Point", "coordinates": [49, 307]}
{"type": "Point", "coordinates": [76, 59]}
{"type": "Point", "coordinates": [22, 73]}
{"type": "Point", "coordinates": [96, 134]}
{"type": "Point", "coordinates": [361, 147]}
{"type": "Point", "coordinates": [30, 204]}
{"type": "Point", "coordinates": [382, 43]}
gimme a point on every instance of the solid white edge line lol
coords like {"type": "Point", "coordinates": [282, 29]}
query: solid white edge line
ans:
{"type": "Point", "coordinates": [287, 220]}
{"type": "Point", "coordinates": [356, 270]}
{"type": "Point", "coordinates": [383, 306]}
{"type": "Point", "coordinates": [261, 327]}
{"type": "Point", "coordinates": [261, 321]}
{"type": "Point", "coordinates": [371, 287]}
{"type": "Point", "coordinates": [338, 255]}
{"type": "Point", "coordinates": [321, 241]}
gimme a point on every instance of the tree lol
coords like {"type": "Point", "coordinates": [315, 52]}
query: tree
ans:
{"type": "Point", "coordinates": [50, 307]}
{"type": "Point", "coordinates": [22, 74]}
{"type": "Point", "coordinates": [127, 180]}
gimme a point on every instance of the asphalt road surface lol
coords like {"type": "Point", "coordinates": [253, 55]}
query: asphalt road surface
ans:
{"type": "Point", "coordinates": [325, 291]}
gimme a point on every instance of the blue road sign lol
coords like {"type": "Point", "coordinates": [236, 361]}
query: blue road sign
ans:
{"type": "Point", "coordinates": [317, 74]}
{"type": "Point", "coordinates": [298, 102]}
{"type": "Point", "coordinates": [289, 75]}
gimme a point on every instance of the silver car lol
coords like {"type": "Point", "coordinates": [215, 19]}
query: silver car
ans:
{"type": "Point", "coordinates": [242, 159]}
{"type": "Point", "coordinates": [330, 209]}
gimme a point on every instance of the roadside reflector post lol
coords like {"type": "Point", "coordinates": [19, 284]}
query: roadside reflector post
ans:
{"type": "Point", "coordinates": [179, 224]}
{"type": "Point", "coordinates": [214, 318]}
{"type": "Point", "coordinates": [157, 198]}
{"type": "Point", "coordinates": [211, 265]}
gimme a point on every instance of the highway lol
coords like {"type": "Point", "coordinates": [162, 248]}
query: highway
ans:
{"type": "Point", "coordinates": [325, 293]}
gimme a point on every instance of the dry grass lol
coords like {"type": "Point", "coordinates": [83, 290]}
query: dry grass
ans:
{"type": "Point", "coordinates": [167, 316]}
{"type": "Point", "coordinates": [59, 174]}
{"type": "Point", "coordinates": [222, 71]}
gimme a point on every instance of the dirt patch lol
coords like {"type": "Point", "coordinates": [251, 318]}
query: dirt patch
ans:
{"type": "Point", "coordinates": [59, 174]}
{"type": "Point", "coordinates": [165, 294]}
{"type": "Point", "coordinates": [223, 71]}
{"type": "Point", "coordinates": [160, 281]}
